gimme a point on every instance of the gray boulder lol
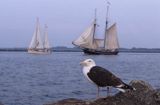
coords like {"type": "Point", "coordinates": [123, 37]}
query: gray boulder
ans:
{"type": "Point", "coordinates": [143, 95]}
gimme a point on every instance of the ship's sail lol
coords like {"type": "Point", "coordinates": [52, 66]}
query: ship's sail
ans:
{"type": "Point", "coordinates": [90, 45]}
{"type": "Point", "coordinates": [46, 41]}
{"type": "Point", "coordinates": [111, 42]}
{"type": "Point", "coordinates": [36, 42]}
{"type": "Point", "coordinates": [86, 39]}
{"type": "Point", "coordinates": [37, 45]}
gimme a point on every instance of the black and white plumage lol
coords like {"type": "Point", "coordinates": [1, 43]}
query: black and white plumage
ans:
{"type": "Point", "coordinates": [102, 77]}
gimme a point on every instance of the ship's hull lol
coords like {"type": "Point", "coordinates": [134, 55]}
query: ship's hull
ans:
{"type": "Point", "coordinates": [100, 52]}
{"type": "Point", "coordinates": [40, 52]}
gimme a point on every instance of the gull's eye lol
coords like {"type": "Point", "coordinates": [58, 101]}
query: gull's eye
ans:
{"type": "Point", "coordinates": [89, 61]}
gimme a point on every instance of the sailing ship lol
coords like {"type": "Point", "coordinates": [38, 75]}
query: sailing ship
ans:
{"type": "Point", "coordinates": [37, 45]}
{"type": "Point", "coordinates": [91, 45]}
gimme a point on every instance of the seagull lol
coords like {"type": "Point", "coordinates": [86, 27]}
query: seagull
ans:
{"type": "Point", "coordinates": [101, 77]}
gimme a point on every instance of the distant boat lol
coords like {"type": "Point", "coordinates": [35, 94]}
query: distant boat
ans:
{"type": "Point", "coordinates": [90, 45]}
{"type": "Point", "coordinates": [37, 45]}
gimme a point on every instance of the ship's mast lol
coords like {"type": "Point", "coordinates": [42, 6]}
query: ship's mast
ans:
{"type": "Point", "coordinates": [45, 35]}
{"type": "Point", "coordinates": [105, 36]}
{"type": "Point", "coordinates": [94, 31]}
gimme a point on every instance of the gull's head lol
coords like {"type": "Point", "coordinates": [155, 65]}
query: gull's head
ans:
{"type": "Point", "coordinates": [88, 62]}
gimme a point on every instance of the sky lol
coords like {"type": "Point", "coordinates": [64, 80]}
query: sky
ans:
{"type": "Point", "coordinates": [138, 21]}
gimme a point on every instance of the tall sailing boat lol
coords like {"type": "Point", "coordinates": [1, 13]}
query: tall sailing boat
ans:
{"type": "Point", "coordinates": [37, 45]}
{"type": "Point", "coordinates": [90, 45]}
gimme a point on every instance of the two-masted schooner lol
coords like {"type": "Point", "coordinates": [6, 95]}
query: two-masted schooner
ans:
{"type": "Point", "coordinates": [37, 45]}
{"type": "Point", "coordinates": [90, 45]}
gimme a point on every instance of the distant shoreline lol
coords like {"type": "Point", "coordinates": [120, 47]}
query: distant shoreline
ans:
{"type": "Point", "coordinates": [66, 49]}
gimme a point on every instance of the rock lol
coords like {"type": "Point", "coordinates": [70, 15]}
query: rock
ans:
{"type": "Point", "coordinates": [157, 96]}
{"type": "Point", "coordinates": [70, 101]}
{"type": "Point", "coordinates": [143, 95]}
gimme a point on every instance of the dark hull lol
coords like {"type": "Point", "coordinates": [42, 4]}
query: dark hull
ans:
{"type": "Point", "coordinates": [100, 52]}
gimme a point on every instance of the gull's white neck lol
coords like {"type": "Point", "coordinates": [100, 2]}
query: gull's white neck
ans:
{"type": "Point", "coordinates": [86, 70]}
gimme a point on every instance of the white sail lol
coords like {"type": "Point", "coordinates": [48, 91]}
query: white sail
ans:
{"type": "Point", "coordinates": [98, 42]}
{"type": "Point", "coordinates": [37, 46]}
{"type": "Point", "coordinates": [111, 38]}
{"type": "Point", "coordinates": [46, 41]}
{"type": "Point", "coordinates": [32, 44]}
{"type": "Point", "coordinates": [86, 39]}
{"type": "Point", "coordinates": [36, 42]}
{"type": "Point", "coordinates": [109, 45]}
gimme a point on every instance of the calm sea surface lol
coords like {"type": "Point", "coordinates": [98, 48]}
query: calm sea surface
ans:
{"type": "Point", "coordinates": [37, 79]}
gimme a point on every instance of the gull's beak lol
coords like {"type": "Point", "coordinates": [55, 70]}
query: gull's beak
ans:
{"type": "Point", "coordinates": [82, 63]}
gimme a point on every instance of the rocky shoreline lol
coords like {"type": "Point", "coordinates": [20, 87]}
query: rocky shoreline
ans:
{"type": "Point", "coordinates": [144, 95]}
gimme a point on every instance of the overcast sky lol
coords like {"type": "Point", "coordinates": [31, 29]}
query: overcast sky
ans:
{"type": "Point", "coordinates": [138, 21]}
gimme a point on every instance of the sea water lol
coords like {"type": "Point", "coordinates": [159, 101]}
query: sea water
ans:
{"type": "Point", "coordinates": [27, 79]}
